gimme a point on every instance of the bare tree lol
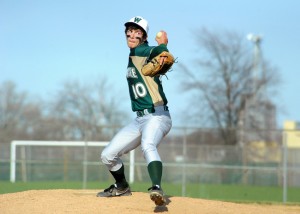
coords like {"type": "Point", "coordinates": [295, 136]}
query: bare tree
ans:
{"type": "Point", "coordinates": [85, 111]}
{"type": "Point", "coordinates": [19, 114]}
{"type": "Point", "coordinates": [88, 111]}
{"type": "Point", "coordinates": [222, 82]}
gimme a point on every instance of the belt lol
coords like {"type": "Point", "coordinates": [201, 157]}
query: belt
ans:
{"type": "Point", "coordinates": [145, 112]}
{"type": "Point", "coordinates": [149, 111]}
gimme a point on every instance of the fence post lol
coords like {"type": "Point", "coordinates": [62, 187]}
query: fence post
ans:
{"type": "Point", "coordinates": [23, 164]}
{"type": "Point", "coordinates": [131, 167]}
{"type": "Point", "coordinates": [84, 180]}
{"type": "Point", "coordinates": [13, 162]}
{"type": "Point", "coordinates": [184, 152]}
{"type": "Point", "coordinates": [284, 166]}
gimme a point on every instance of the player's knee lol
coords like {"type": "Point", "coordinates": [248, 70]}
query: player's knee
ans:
{"type": "Point", "coordinates": [105, 157]}
{"type": "Point", "coordinates": [151, 154]}
{"type": "Point", "coordinates": [148, 148]}
{"type": "Point", "coordinates": [111, 161]}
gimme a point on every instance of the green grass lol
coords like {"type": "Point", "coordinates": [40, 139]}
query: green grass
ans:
{"type": "Point", "coordinates": [236, 193]}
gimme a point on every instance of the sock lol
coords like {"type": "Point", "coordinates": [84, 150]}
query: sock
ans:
{"type": "Point", "coordinates": [119, 176]}
{"type": "Point", "coordinates": [155, 172]}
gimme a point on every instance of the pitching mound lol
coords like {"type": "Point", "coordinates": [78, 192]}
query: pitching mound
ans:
{"type": "Point", "coordinates": [85, 201]}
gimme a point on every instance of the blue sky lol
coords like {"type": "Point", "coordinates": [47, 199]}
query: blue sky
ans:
{"type": "Point", "coordinates": [44, 43]}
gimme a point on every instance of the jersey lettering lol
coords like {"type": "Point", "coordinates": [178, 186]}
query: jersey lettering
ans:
{"type": "Point", "coordinates": [131, 73]}
{"type": "Point", "coordinates": [139, 90]}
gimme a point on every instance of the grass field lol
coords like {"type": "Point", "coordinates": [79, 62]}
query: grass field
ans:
{"type": "Point", "coordinates": [236, 193]}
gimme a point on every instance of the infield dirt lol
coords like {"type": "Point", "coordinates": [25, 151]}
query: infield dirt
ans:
{"type": "Point", "coordinates": [85, 201]}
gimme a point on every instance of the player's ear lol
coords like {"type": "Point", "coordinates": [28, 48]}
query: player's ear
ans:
{"type": "Point", "coordinates": [145, 37]}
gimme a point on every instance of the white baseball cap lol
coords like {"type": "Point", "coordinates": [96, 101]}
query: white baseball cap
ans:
{"type": "Point", "coordinates": [139, 21]}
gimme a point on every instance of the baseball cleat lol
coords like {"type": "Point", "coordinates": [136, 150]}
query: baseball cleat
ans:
{"type": "Point", "coordinates": [114, 191]}
{"type": "Point", "coordinates": [157, 195]}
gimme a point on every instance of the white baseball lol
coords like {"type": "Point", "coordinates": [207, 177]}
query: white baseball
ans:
{"type": "Point", "coordinates": [159, 34]}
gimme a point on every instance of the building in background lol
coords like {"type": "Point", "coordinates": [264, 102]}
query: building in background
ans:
{"type": "Point", "coordinates": [291, 136]}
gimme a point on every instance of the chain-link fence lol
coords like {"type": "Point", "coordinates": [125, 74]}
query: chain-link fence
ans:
{"type": "Point", "coordinates": [187, 159]}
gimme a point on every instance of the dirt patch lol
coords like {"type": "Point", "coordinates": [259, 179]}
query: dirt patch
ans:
{"type": "Point", "coordinates": [85, 201]}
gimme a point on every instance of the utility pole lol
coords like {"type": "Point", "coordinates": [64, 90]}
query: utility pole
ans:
{"type": "Point", "coordinates": [257, 72]}
{"type": "Point", "coordinates": [255, 108]}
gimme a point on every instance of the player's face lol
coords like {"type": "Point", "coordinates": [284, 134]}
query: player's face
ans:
{"type": "Point", "coordinates": [134, 37]}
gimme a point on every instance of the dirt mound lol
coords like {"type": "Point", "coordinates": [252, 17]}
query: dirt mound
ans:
{"type": "Point", "coordinates": [85, 201]}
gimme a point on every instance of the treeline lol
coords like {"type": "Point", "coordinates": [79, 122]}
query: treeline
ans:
{"type": "Point", "coordinates": [76, 112]}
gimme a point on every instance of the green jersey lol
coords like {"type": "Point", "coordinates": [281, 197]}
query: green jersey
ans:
{"type": "Point", "coordinates": [145, 92]}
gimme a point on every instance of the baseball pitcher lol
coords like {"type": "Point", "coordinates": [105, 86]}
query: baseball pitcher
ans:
{"type": "Point", "coordinates": [153, 121]}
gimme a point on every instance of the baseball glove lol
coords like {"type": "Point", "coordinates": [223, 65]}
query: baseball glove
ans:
{"type": "Point", "coordinates": [158, 66]}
